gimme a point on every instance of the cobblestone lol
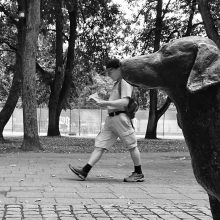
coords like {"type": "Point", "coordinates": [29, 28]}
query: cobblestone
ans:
{"type": "Point", "coordinates": [129, 212]}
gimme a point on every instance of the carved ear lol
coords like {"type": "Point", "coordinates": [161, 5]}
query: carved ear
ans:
{"type": "Point", "coordinates": [206, 69]}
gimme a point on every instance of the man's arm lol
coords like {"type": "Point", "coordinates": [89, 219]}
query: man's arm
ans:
{"type": "Point", "coordinates": [119, 103]}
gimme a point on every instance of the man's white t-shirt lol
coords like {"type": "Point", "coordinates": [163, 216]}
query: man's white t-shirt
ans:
{"type": "Point", "coordinates": [126, 91]}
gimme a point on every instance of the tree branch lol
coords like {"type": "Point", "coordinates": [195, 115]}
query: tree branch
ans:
{"type": "Point", "coordinates": [4, 41]}
{"type": "Point", "coordinates": [191, 16]}
{"type": "Point", "coordinates": [163, 109]}
{"type": "Point", "coordinates": [8, 50]}
{"type": "Point", "coordinates": [46, 76]}
{"type": "Point", "coordinates": [208, 22]}
{"type": "Point", "coordinates": [165, 10]}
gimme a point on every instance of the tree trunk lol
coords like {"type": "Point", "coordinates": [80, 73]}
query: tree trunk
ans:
{"type": "Point", "coordinates": [11, 102]}
{"type": "Point", "coordinates": [53, 126]}
{"type": "Point", "coordinates": [62, 83]}
{"type": "Point", "coordinates": [15, 90]}
{"type": "Point", "coordinates": [191, 17]}
{"type": "Point", "coordinates": [67, 83]}
{"type": "Point", "coordinates": [151, 132]}
{"type": "Point", "coordinates": [31, 22]}
{"type": "Point", "coordinates": [210, 28]}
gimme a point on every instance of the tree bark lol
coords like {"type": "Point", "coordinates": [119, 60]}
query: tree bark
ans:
{"type": "Point", "coordinates": [53, 126]}
{"type": "Point", "coordinates": [67, 83]}
{"type": "Point", "coordinates": [155, 115]}
{"type": "Point", "coordinates": [62, 82]}
{"type": "Point", "coordinates": [31, 22]}
{"type": "Point", "coordinates": [151, 132]}
{"type": "Point", "coordinates": [209, 24]}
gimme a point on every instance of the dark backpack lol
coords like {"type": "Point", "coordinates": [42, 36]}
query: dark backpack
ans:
{"type": "Point", "coordinates": [133, 104]}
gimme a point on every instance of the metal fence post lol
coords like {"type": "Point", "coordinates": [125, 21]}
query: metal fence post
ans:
{"type": "Point", "coordinates": [163, 122]}
{"type": "Point", "coordinates": [79, 122]}
{"type": "Point", "coordinates": [70, 127]}
{"type": "Point", "coordinates": [12, 122]}
{"type": "Point", "coordinates": [39, 119]}
{"type": "Point", "coordinates": [100, 119]}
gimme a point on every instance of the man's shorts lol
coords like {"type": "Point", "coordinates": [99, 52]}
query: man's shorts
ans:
{"type": "Point", "coordinates": [114, 127]}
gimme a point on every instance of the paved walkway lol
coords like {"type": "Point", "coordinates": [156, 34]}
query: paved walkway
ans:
{"type": "Point", "coordinates": [40, 186]}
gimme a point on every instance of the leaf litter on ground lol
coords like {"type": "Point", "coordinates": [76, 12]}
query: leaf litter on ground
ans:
{"type": "Point", "coordinates": [69, 144]}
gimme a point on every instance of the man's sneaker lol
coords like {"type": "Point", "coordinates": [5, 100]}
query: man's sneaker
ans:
{"type": "Point", "coordinates": [79, 172]}
{"type": "Point", "coordinates": [134, 177]}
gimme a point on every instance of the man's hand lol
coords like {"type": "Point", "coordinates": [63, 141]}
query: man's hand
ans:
{"type": "Point", "coordinates": [97, 100]}
{"type": "Point", "coordinates": [101, 103]}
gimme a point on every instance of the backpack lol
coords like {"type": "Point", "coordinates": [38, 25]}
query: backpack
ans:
{"type": "Point", "coordinates": [133, 104]}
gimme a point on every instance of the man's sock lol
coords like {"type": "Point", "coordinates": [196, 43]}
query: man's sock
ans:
{"type": "Point", "coordinates": [137, 169]}
{"type": "Point", "coordinates": [87, 168]}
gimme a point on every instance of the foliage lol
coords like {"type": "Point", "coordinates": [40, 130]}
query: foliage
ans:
{"type": "Point", "coordinates": [101, 85]}
{"type": "Point", "coordinates": [215, 12]}
{"type": "Point", "coordinates": [175, 20]}
{"type": "Point", "coordinates": [105, 29]}
{"type": "Point", "coordinates": [7, 47]}
{"type": "Point", "coordinates": [98, 28]}
{"type": "Point", "coordinates": [134, 37]}
{"type": "Point", "coordinates": [6, 73]}
{"type": "Point", "coordinates": [98, 23]}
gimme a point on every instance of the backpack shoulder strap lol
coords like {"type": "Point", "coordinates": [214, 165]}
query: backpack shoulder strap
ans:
{"type": "Point", "coordinates": [119, 88]}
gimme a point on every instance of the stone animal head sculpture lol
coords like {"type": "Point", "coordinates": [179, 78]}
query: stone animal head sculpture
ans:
{"type": "Point", "coordinates": [188, 69]}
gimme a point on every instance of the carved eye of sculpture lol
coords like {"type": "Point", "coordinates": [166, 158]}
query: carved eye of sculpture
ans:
{"type": "Point", "coordinates": [167, 53]}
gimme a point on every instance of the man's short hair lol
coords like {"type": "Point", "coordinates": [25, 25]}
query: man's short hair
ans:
{"type": "Point", "coordinates": [113, 63]}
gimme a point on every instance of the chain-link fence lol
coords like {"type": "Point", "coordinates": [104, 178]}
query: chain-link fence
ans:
{"type": "Point", "coordinates": [88, 122]}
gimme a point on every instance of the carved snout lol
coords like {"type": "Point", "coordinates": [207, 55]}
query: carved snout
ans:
{"type": "Point", "coordinates": [142, 71]}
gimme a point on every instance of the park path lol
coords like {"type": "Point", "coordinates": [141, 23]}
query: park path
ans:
{"type": "Point", "coordinates": [40, 186]}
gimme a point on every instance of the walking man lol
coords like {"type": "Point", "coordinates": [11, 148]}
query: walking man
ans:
{"type": "Point", "coordinates": [117, 124]}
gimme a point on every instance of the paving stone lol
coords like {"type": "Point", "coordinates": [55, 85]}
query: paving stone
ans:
{"type": "Point", "coordinates": [67, 218]}
{"type": "Point", "coordinates": [30, 188]}
{"type": "Point", "coordinates": [33, 218]}
{"type": "Point", "coordinates": [15, 211]}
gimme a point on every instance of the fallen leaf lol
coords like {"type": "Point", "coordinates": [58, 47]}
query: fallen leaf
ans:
{"type": "Point", "coordinates": [13, 165]}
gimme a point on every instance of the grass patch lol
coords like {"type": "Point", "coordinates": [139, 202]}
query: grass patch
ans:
{"type": "Point", "coordinates": [86, 145]}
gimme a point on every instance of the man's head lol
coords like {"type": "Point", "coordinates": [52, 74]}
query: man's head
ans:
{"type": "Point", "coordinates": [113, 69]}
